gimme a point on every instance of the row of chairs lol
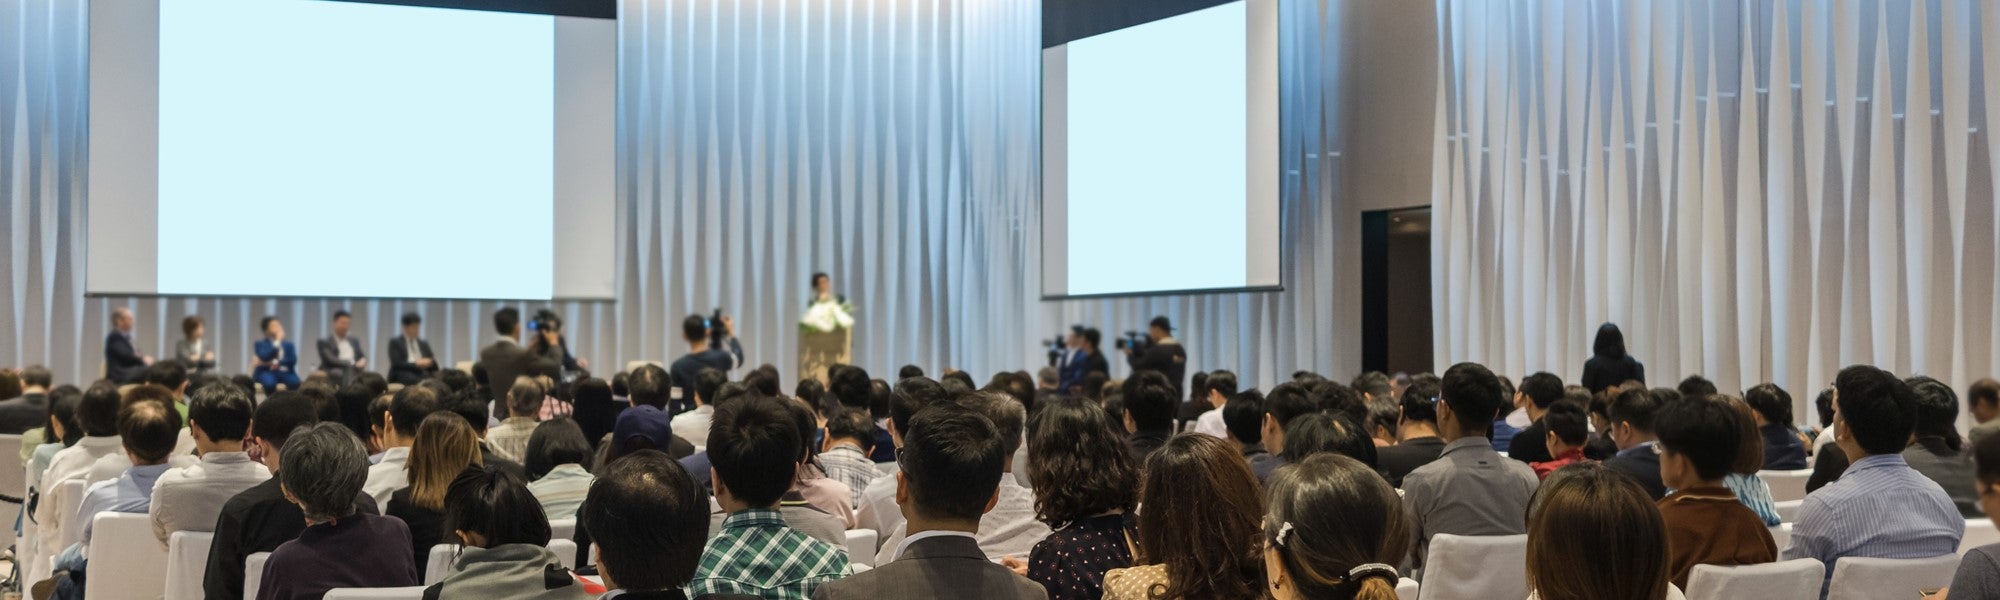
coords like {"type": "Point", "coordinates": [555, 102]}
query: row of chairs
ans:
{"type": "Point", "coordinates": [1480, 567]}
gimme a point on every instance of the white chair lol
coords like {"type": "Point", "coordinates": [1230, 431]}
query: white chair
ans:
{"type": "Point", "coordinates": [562, 529]}
{"type": "Point", "coordinates": [253, 573]}
{"type": "Point", "coordinates": [187, 562]}
{"type": "Point", "coordinates": [1786, 485]}
{"type": "Point", "coordinates": [68, 497]}
{"type": "Point", "coordinates": [1978, 532]}
{"type": "Point", "coordinates": [1798, 579]}
{"type": "Point", "coordinates": [1788, 511]}
{"type": "Point", "coordinates": [1781, 534]}
{"type": "Point", "coordinates": [463, 366]}
{"type": "Point", "coordinates": [861, 546]}
{"type": "Point", "coordinates": [395, 593]}
{"type": "Point", "coordinates": [564, 550]}
{"type": "Point", "coordinates": [126, 561]}
{"type": "Point", "coordinates": [438, 564]}
{"type": "Point", "coordinates": [1857, 578]}
{"type": "Point", "coordinates": [13, 477]}
{"type": "Point", "coordinates": [1475, 567]}
{"type": "Point", "coordinates": [1406, 589]}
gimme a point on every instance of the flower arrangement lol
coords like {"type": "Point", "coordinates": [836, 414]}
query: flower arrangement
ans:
{"type": "Point", "coordinates": [827, 317]}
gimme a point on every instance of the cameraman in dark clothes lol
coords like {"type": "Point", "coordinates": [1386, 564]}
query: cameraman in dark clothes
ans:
{"type": "Point", "coordinates": [711, 345]}
{"type": "Point", "coordinates": [1163, 354]}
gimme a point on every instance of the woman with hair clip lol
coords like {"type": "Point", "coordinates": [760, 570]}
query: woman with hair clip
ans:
{"type": "Point", "coordinates": [445, 448]}
{"type": "Point", "coordinates": [504, 537]}
{"type": "Point", "coordinates": [1197, 536]}
{"type": "Point", "coordinates": [1593, 533]}
{"type": "Point", "coordinates": [1334, 531]}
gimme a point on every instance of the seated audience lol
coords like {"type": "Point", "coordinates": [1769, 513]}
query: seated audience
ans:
{"type": "Point", "coordinates": [1085, 491]}
{"type": "Point", "coordinates": [189, 498]}
{"type": "Point", "coordinates": [354, 398]}
{"type": "Point", "coordinates": [953, 464]}
{"type": "Point", "coordinates": [1937, 451]}
{"type": "Point", "coordinates": [558, 461]}
{"type": "Point", "coordinates": [1243, 423]}
{"type": "Point", "coordinates": [1417, 441]}
{"type": "Point", "coordinates": [1287, 401]}
{"type": "Point", "coordinates": [1743, 480]}
{"type": "Point", "coordinates": [1983, 401]}
{"type": "Point", "coordinates": [755, 448]}
{"type": "Point", "coordinates": [878, 509]}
{"type": "Point", "coordinates": [97, 415]}
{"type": "Point", "coordinates": [1537, 393]}
{"type": "Point", "coordinates": [147, 429]}
{"type": "Point", "coordinates": [1334, 530]}
{"type": "Point", "coordinates": [1600, 447]}
{"type": "Point", "coordinates": [1383, 412]}
{"type": "Point", "coordinates": [1568, 431]}
{"type": "Point", "coordinates": [1198, 533]}
{"type": "Point", "coordinates": [1008, 530]}
{"type": "Point", "coordinates": [693, 424]}
{"type": "Point", "coordinates": [27, 407]}
{"type": "Point", "coordinates": [1632, 429]}
{"type": "Point", "coordinates": [475, 411]}
{"type": "Point", "coordinates": [322, 471]}
{"type": "Point", "coordinates": [277, 358]}
{"type": "Point", "coordinates": [1783, 448]}
{"type": "Point", "coordinates": [1880, 507]}
{"type": "Point", "coordinates": [407, 410]}
{"type": "Point", "coordinates": [850, 436]}
{"type": "Point", "coordinates": [649, 387]}
{"type": "Point", "coordinates": [260, 518]}
{"type": "Point", "coordinates": [1696, 386]}
{"type": "Point", "coordinates": [1221, 385]}
{"type": "Point", "coordinates": [445, 449]}
{"type": "Point", "coordinates": [1470, 489]}
{"type": "Point", "coordinates": [1593, 534]}
{"type": "Point", "coordinates": [1700, 439]}
{"type": "Point", "coordinates": [503, 538]}
{"type": "Point", "coordinates": [1508, 421]}
{"type": "Point", "coordinates": [1979, 571]}
{"type": "Point", "coordinates": [648, 519]}
{"type": "Point", "coordinates": [524, 408]}
{"type": "Point", "coordinates": [1322, 432]}
{"type": "Point", "coordinates": [811, 487]}
{"type": "Point", "coordinates": [62, 431]}
{"type": "Point", "coordinates": [1149, 411]}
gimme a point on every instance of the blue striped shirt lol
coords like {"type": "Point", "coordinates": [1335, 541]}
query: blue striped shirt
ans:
{"type": "Point", "coordinates": [1880, 508]}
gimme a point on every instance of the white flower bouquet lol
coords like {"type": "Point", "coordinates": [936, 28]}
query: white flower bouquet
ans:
{"type": "Point", "coordinates": [827, 317]}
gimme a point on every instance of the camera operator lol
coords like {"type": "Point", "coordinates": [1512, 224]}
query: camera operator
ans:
{"type": "Point", "coordinates": [1082, 358]}
{"type": "Point", "coordinates": [551, 346]}
{"type": "Point", "coordinates": [711, 345]}
{"type": "Point", "coordinates": [1163, 354]}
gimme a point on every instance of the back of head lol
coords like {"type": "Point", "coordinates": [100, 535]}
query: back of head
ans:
{"type": "Point", "coordinates": [146, 392]}
{"type": "Point", "coordinates": [1569, 421]}
{"type": "Point", "coordinates": [1336, 397]}
{"type": "Point", "coordinates": [764, 382]}
{"type": "Point", "coordinates": [1004, 412]}
{"type": "Point", "coordinates": [1289, 401]}
{"type": "Point", "coordinates": [506, 320]}
{"type": "Point", "coordinates": [1542, 388]}
{"type": "Point", "coordinates": [167, 374]}
{"type": "Point", "coordinates": [694, 328]}
{"type": "Point", "coordinates": [11, 385]}
{"type": "Point", "coordinates": [959, 376]}
{"type": "Point", "coordinates": [556, 442]}
{"type": "Point", "coordinates": [952, 461]}
{"type": "Point", "coordinates": [755, 448]}
{"type": "Point", "coordinates": [1198, 386]}
{"type": "Point", "coordinates": [410, 406]}
{"type": "Point", "coordinates": [912, 396]}
{"type": "Point", "coordinates": [649, 386]}
{"type": "Point", "coordinates": [851, 424]}
{"type": "Point", "coordinates": [1937, 410]}
{"type": "Point", "coordinates": [375, 382]}
{"type": "Point", "coordinates": [63, 402]}
{"type": "Point", "coordinates": [909, 371]}
{"type": "Point", "coordinates": [1319, 433]}
{"type": "Point", "coordinates": [1329, 516]}
{"type": "Point", "coordinates": [525, 398]}
{"type": "Point", "coordinates": [1880, 410]}
{"type": "Point", "coordinates": [621, 385]}
{"type": "Point", "coordinates": [707, 382]}
{"type": "Point", "coordinates": [149, 430]}
{"type": "Point", "coordinates": [1610, 342]}
{"type": "Point", "coordinates": [849, 384]}
{"type": "Point", "coordinates": [1474, 395]}
{"type": "Point", "coordinates": [649, 519]}
{"type": "Point", "coordinates": [1215, 555]}
{"type": "Point", "coordinates": [1150, 401]}
{"type": "Point", "coordinates": [1750, 440]}
{"type": "Point", "coordinates": [1702, 429]}
{"type": "Point", "coordinates": [1986, 460]}
{"type": "Point", "coordinates": [1093, 383]}
{"type": "Point", "coordinates": [1985, 392]}
{"type": "Point", "coordinates": [37, 376]}
{"type": "Point", "coordinates": [445, 446]}
{"type": "Point", "coordinates": [1373, 384]}
{"type": "Point", "coordinates": [1696, 385]}
{"type": "Point", "coordinates": [879, 397]}
{"type": "Point", "coordinates": [222, 411]}
{"type": "Point", "coordinates": [323, 467]}
{"type": "Point", "coordinates": [98, 413]}
{"type": "Point", "coordinates": [280, 414]}
{"type": "Point", "coordinates": [1243, 416]}
{"type": "Point", "coordinates": [1078, 466]}
{"type": "Point", "coordinates": [496, 506]}
{"type": "Point", "coordinates": [1593, 534]}
{"type": "Point", "coordinates": [1634, 407]}
{"type": "Point", "coordinates": [1420, 402]}
{"type": "Point", "coordinates": [1770, 401]}
{"type": "Point", "coordinates": [1222, 382]}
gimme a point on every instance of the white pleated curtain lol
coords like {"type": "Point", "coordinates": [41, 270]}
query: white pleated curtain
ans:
{"type": "Point", "coordinates": [893, 143]}
{"type": "Point", "coordinates": [1754, 191]}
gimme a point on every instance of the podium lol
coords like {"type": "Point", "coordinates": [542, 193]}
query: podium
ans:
{"type": "Point", "coordinates": [819, 350]}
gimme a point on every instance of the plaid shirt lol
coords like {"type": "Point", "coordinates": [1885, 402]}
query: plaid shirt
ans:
{"type": "Point", "coordinates": [757, 555]}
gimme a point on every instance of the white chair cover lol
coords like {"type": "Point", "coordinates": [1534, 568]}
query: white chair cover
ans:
{"type": "Point", "coordinates": [562, 529]}
{"type": "Point", "coordinates": [126, 561]}
{"type": "Point", "coordinates": [396, 593]}
{"type": "Point", "coordinates": [253, 573]}
{"type": "Point", "coordinates": [861, 546]}
{"type": "Point", "coordinates": [67, 494]}
{"type": "Point", "coordinates": [1788, 511]}
{"type": "Point", "coordinates": [439, 564]}
{"type": "Point", "coordinates": [187, 562]}
{"type": "Point", "coordinates": [564, 549]}
{"type": "Point", "coordinates": [13, 477]}
{"type": "Point", "coordinates": [1978, 532]}
{"type": "Point", "coordinates": [1406, 589]}
{"type": "Point", "coordinates": [1786, 485]}
{"type": "Point", "coordinates": [1857, 578]}
{"type": "Point", "coordinates": [1476, 567]}
{"type": "Point", "coordinates": [1790, 580]}
{"type": "Point", "coordinates": [1781, 534]}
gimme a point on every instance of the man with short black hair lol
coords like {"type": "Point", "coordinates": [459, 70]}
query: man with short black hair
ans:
{"type": "Point", "coordinates": [701, 333]}
{"type": "Point", "coordinates": [648, 519]}
{"type": "Point", "coordinates": [407, 410]}
{"type": "Point", "coordinates": [340, 354]}
{"type": "Point", "coordinates": [692, 425]}
{"type": "Point", "coordinates": [1632, 429]}
{"type": "Point", "coordinates": [1082, 358]}
{"type": "Point", "coordinates": [148, 430]}
{"type": "Point", "coordinates": [1243, 421]}
{"type": "Point", "coordinates": [1221, 386]}
{"type": "Point", "coordinates": [1880, 507]}
{"type": "Point", "coordinates": [1290, 400]}
{"type": "Point", "coordinates": [877, 509]}
{"type": "Point", "coordinates": [1536, 393]}
{"type": "Point", "coordinates": [1706, 525]}
{"type": "Point", "coordinates": [1149, 412]}
{"type": "Point", "coordinates": [1165, 355]}
{"type": "Point", "coordinates": [953, 464]}
{"type": "Point", "coordinates": [410, 357]}
{"type": "Point", "coordinates": [754, 449]}
{"type": "Point", "coordinates": [1470, 489]}
{"type": "Point", "coordinates": [189, 498]}
{"type": "Point", "coordinates": [97, 415]}
{"type": "Point", "coordinates": [1417, 441]}
{"type": "Point", "coordinates": [1983, 401]}
{"type": "Point", "coordinates": [31, 409]}
{"type": "Point", "coordinates": [850, 435]}
{"type": "Point", "coordinates": [1008, 530]}
{"type": "Point", "coordinates": [261, 518]}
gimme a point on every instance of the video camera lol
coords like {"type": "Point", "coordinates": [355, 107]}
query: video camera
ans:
{"type": "Point", "coordinates": [1138, 341]}
{"type": "Point", "coordinates": [716, 333]}
{"type": "Point", "coordinates": [1056, 349]}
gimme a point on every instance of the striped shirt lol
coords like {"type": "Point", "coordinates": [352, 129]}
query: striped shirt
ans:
{"type": "Point", "coordinates": [562, 490]}
{"type": "Point", "coordinates": [756, 554]}
{"type": "Point", "coordinates": [846, 463]}
{"type": "Point", "coordinates": [1880, 508]}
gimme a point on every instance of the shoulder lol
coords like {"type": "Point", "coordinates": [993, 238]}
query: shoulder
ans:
{"type": "Point", "coordinates": [1134, 582]}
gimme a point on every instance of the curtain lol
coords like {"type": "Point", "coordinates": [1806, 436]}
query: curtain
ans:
{"type": "Point", "coordinates": [1754, 191]}
{"type": "Point", "coordinates": [892, 143]}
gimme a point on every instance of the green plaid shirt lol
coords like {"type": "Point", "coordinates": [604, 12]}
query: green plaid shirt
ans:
{"type": "Point", "coordinates": [757, 555]}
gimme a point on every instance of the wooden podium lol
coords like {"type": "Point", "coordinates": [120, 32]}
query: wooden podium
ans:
{"type": "Point", "coordinates": [819, 350]}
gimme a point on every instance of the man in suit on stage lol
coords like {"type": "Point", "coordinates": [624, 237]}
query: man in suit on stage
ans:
{"type": "Point", "coordinates": [410, 357]}
{"type": "Point", "coordinates": [123, 362]}
{"type": "Point", "coordinates": [340, 354]}
{"type": "Point", "coordinates": [277, 358]}
{"type": "Point", "coordinates": [1083, 358]}
{"type": "Point", "coordinates": [506, 359]}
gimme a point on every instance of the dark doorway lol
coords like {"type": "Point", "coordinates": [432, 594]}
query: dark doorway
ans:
{"type": "Point", "coordinates": [1396, 290]}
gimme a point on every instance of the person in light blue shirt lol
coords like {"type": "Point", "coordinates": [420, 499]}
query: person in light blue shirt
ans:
{"type": "Point", "coordinates": [1880, 507]}
{"type": "Point", "coordinates": [148, 429]}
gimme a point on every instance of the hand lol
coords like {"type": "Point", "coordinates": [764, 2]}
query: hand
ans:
{"type": "Point", "coordinates": [583, 363]}
{"type": "Point", "coordinates": [146, 359]}
{"type": "Point", "coordinates": [209, 357]}
{"type": "Point", "coordinates": [425, 363]}
{"type": "Point", "coordinates": [361, 363]}
{"type": "Point", "coordinates": [1015, 564]}
{"type": "Point", "coordinates": [728, 325]}
{"type": "Point", "coordinates": [1938, 596]}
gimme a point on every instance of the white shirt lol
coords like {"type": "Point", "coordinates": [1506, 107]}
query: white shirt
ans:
{"type": "Point", "coordinates": [693, 425]}
{"type": "Point", "coordinates": [1010, 529]}
{"type": "Point", "coordinates": [344, 350]}
{"type": "Point", "coordinates": [191, 497]}
{"type": "Point", "coordinates": [927, 535]}
{"type": "Point", "coordinates": [385, 477]}
{"type": "Point", "coordinates": [73, 462]}
{"type": "Point", "coordinates": [877, 509]}
{"type": "Point", "coordinates": [1211, 423]}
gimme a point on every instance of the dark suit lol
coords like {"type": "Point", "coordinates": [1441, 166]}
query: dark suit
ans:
{"type": "Point", "coordinates": [1643, 465]}
{"type": "Point", "coordinates": [1081, 363]}
{"type": "Point", "coordinates": [329, 358]}
{"type": "Point", "coordinates": [1167, 357]}
{"type": "Point", "coordinates": [938, 567]}
{"type": "Point", "coordinates": [1406, 456]}
{"type": "Point", "coordinates": [403, 368]}
{"type": "Point", "coordinates": [122, 362]}
{"type": "Point", "coordinates": [286, 372]}
{"type": "Point", "coordinates": [24, 413]}
{"type": "Point", "coordinates": [506, 360]}
{"type": "Point", "coordinates": [1531, 444]}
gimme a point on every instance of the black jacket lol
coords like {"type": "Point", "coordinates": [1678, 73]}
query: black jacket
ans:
{"type": "Point", "coordinates": [1602, 371]}
{"type": "Point", "coordinates": [256, 520]}
{"type": "Point", "coordinates": [122, 363]}
{"type": "Point", "coordinates": [1530, 444]}
{"type": "Point", "coordinates": [24, 413]}
{"type": "Point", "coordinates": [403, 368]}
{"type": "Point", "coordinates": [1399, 460]}
{"type": "Point", "coordinates": [1167, 357]}
{"type": "Point", "coordinates": [1643, 465]}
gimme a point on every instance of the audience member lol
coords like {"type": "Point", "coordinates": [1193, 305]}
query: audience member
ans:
{"type": "Point", "coordinates": [1936, 450]}
{"type": "Point", "coordinates": [29, 409]}
{"type": "Point", "coordinates": [1750, 489]}
{"type": "Point", "coordinates": [850, 435]}
{"type": "Point", "coordinates": [445, 448]}
{"type": "Point", "coordinates": [878, 509]}
{"type": "Point", "coordinates": [1470, 489]}
{"type": "Point", "coordinates": [503, 537]}
{"type": "Point", "coordinates": [1696, 386]}
{"type": "Point", "coordinates": [1333, 530]}
{"type": "Point", "coordinates": [524, 409]}
{"type": "Point", "coordinates": [1243, 421]}
{"type": "Point", "coordinates": [811, 486]}
{"type": "Point", "coordinates": [692, 425]}
{"type": "Point", "coordinates": [147, 429]}
{"type": "Point", "coordinates": [1983, 401]}
{"type": "Point", "coordinates": [407, 410]}
{"type": "Point", "coordinates": [1979, 571]}
{"type": "Point", "coordinates": [1699, 440]}
{"type": "Point", "coordinates": [1537, 393]}
{"type": "Point", "coordinates": [754, 448]}
{"type": "Point", "coordinates": [1593, 534]}
{"type": "Point", "coordinates": [1322, 432]}
{"type": "Point", "coordinates": [353, 399]}
{"type": "Point", "coordinates": [322, 470]}
{"type": "Point", "coordinates": [97, 415]}
{"type": "Point", "coordinates": [1507, 420]}
{"type": "Point", "coordinates": [1008, 530]}
{"type": "Point", "coordinates": [62, 431]}
{"type": "Point", "coordinates": [190, 498]}
{"type": "Point", "coordinates": [1383, 413]}
{"type": "Point", "coordinates": [410, 356]}
{"type": "Point", "coordinates": [191, 350]}
{"type": "Point", "coordinates": [711, 345]}
{"type": "Point", "coordinates": [1609, 365]}
{"type": "Point", "coordinates": [648, 520]}
{"type": "Point", "coordinates": [1568, 428]}
{"type": "Point", "coordinates": [123, 362]}
{"type": "Point", "coordinates": [1198, 533]}
{"type": "Point", "coordinates": [1221, 385]}
{"type": "Point", "coordinates": [1783, 450]}
{"type": "Point", "coordinates": [261, 517]}
{"type": "Point", "coordinates": [1085, 491]}
{"type": "Point", "coordinates": [647, 424]}
{"type": "Point", "coordinates": [558, 461]}
{"type": "Point", "coordinates": [341, 354]}
{"type": "Point", "coordinates": [1600, 447]}
{"type": "Point", "coordinates": [277, 358]}
{"type": "Point", "coordinates": [1632, 429]}
{"type": "Point", "coordinates": [596, 410]}
{"type": "Point", "coordinates": [1880, 507]}
{"type": "Point", "coordinates": [1287, 401]}
{"type": "Point", "coordinates": [1417, 441]}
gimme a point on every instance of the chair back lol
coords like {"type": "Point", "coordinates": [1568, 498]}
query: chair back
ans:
{"type": "Point", "coordinates": [1789, 580]}
{"type": "Point", "coordinates": [565, 550]}
{"type": "Point", "coordinates": [1786, 485]}
{"type": "Point", "coordinates": [67, 496]}
{"type": "Point", "coordinates": [1406, 589]}
{"type": "Point", "coordinates": [1858, 578]}
{"type": "Point", "coordinates": [439, 563]}
{"type": "Point", "coordinates": [253, 573]}
{"type": "Point", "coordinates": [1788, 511]}
{"type": "Point", "coordinates": [187, 562]}
{"type": "Point", "coordinates": [1978, 532]}
{"type": "Point", "coordinates": [562, 529]}
{"type": "Point", "coordinates": [861, 546]}
{"type": "Point", "coordinates": [13, 477]}
{"type": "Point", "coordinates": [1476, 567]}
{"type": "Point", "coordinates": [394, 593]}
{"type": "Point", "coordinates": [125, 558]}
{"type": "Point", "coordinates": [1781, 534]}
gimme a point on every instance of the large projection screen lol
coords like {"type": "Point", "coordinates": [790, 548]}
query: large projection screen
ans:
{"type": "Point", "coordinates": [1159, 147]}
{"type": "Point", "coordinates": [342, 148]}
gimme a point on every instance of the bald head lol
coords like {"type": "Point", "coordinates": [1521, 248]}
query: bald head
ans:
{"type": "Point", "coordinates": [121, 319]}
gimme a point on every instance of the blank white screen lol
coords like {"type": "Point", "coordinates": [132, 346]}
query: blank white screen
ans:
{"type": "Point", "coordinates": [394, 140]}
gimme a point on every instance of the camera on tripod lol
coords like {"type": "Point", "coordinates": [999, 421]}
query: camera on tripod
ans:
{"type": "Point", "coordinates": [1056, 349]}
{"type": "Point", "coordinates": [1138, 341]}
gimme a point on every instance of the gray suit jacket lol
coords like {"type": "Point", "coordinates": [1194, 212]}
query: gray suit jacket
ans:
{"type": "Point", "coordinates": [939, 567]}
{"type": "Point", "coordinates": [329, 357]}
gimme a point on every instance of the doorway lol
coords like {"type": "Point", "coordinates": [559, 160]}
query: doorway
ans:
{"type": "Point", "coordinates": [1396, 290]}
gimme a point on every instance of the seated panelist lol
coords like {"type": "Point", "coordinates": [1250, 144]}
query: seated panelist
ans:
{"type": "Point", "coordinates": [277, 358]}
